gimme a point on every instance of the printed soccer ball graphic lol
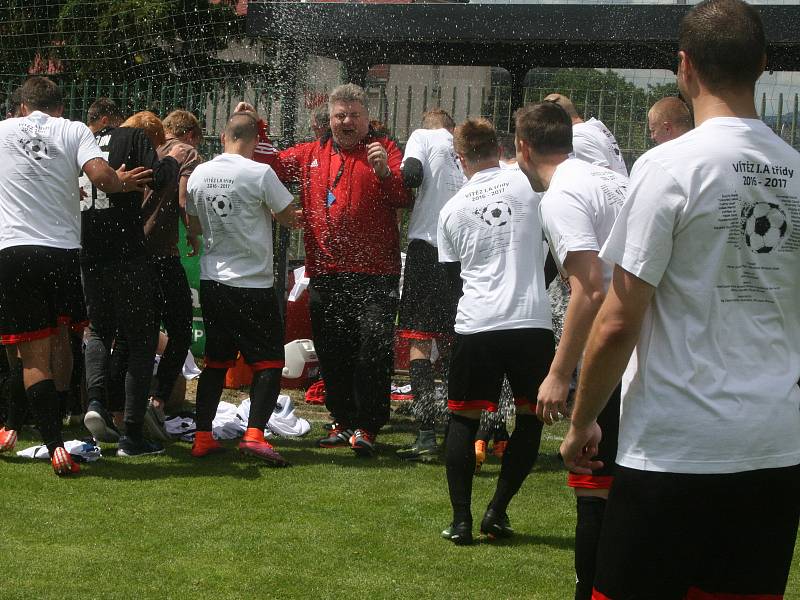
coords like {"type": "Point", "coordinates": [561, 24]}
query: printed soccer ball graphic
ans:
{"type": "Point", "coordinates": [496, 214]}
{"type": "Point", "coordinates": [222, 205]}
{"type": "Point", "coordinates": [764, 227]}
{"type": "Point", "coordinates": [36, 148]}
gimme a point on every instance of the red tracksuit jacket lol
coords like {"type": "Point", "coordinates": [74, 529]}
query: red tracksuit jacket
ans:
{"type": "Point", "coordinates": [357, 232]}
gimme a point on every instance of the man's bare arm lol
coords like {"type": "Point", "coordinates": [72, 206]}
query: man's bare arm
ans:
{"type": "Point", "coordinates": [611, 342]}
{"type": "Point", "coordinates": [289, 217]}
{"type": "Point", "coordinates": [110, 181]}
{"type": "Point", "coordinates": [183, 194]}
{"type": "Point", "coordinates": [585, 272]}
{"type": "Point", "coordinates": [193, 226]}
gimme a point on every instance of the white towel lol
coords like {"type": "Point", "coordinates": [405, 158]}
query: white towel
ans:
{"type": "Point", "coordinates": [84, 451]}
{"type": "Point", "coordinates": [283, 421]}
{"type": "Point", "coordinates": [181, 427]}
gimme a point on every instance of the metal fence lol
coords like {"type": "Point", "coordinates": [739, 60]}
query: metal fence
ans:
{"type": "Point", "coordinates": [398, 108]}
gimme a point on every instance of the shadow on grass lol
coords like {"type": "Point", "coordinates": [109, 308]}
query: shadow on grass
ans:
{"type": "Point", "coordinates": [176, 463]}
{"type": "Point", "coordinates": [528, 539]}
{"type": "Point", "coordinates": [304, 451]}
{"type": "Point", "coordinates": [298, 451]}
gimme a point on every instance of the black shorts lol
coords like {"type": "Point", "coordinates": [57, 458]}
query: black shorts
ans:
{"type": "Point", "coordinates": [670, 536]}
{"type": "Point", "coordinates": [242, 320]}
{"type": "Point", "coordinates": [481, 360]}
{"type": "Point", "coordinates": [426, 307]}
{"type": "Point", "coordinates": [601, 479]}
{"type": "Point", "coordinates": [40, 288]}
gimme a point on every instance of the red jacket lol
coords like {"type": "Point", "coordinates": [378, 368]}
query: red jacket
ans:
{"type": "Point", "coordinates": [358, 232]}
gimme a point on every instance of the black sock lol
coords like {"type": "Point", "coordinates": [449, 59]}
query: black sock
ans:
{"type": "Point", "coordinates": [17, 400]}
{"type": "Point", "coordinates": [501, 433]}
{"type": "Point", "coordinates": [64, 403]}
{"type": "Point", "coordinates": [518, 460]}
{"type": "Point", "coordinates": [44, 403]}
{"type": "Point", "coordinates": [587, 536]}
{"type": "Point", "coordinates": [460, 461]}
{"type": "Point", "coordinates": [420, 373]}
{"type": "Point", "coordinates": [209, 390]}
{"type": "Point", "coordinates": [263, 397]}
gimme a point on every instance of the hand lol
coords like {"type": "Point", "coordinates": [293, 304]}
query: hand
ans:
{"type": "Point", "coordinates": [580, 446]}
{"type": "Point", "coordinates": [134, 180]}
{"type": "Point", "coordinates": [245, 107]}
{"type": "Point", "coordinates": [552, 399]}
{"type": "Point", "coordinates": [378, 159]}
{"type": "Point", "coordinates": [194, 242]}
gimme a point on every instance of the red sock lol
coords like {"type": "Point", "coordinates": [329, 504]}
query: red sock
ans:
{"type": "Point", "coordinates": [204, 438]}
{"type": "Point", "coordinates": [253, 434]}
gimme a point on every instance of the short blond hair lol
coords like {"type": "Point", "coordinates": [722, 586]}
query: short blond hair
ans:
{"type": "Point", "coordinates": [151, 124]}
{"type": "Point", "coordinates": [475, 140]}
{"type": "Point", "coordinates": [180, 122]}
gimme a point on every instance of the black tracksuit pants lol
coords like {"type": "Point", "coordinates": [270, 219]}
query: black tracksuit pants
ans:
{"type": "Point", "coordinates": [120, 301]}
{"type": "Point", "coordinates": [352, 318]}
{"type": "Point", "coordinates": [175, 300]}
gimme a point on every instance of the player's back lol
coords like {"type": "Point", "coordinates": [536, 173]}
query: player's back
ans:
{"type": "Point", "coordinates": [740, 215]}
{"type": "Point", "coordinates": [232, 196]}
{"type": "Point", "coordinates": [579, 209]}
{"type": "Point", "coordinates": [723, 338]}
{"type": "Point", "coordinates": [39, 194]}
{"type": "Point", "coordinates": [442, 177]}
{"type": "Point", "coordinates": [492, 228]}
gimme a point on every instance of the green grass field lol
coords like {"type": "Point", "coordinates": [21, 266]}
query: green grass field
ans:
{"type": "Point", "coordinates": [333, 526]}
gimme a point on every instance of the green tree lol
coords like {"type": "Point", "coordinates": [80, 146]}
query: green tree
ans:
{"type": "Point", "coordinates": [123, 39]}
{"type": "Point", "coordinates": [26, 31]}
{"type": "Point", "coordinates": [606, 95]}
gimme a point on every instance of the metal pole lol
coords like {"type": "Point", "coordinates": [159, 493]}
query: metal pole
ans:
{"type": "Point", "coordinates": [408, 113]}
{"type": "Point", "coordinates": [288, 61]}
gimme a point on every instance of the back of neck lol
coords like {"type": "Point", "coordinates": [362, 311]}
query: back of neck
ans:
{"type": "Point", "coordinates": [724, 103]}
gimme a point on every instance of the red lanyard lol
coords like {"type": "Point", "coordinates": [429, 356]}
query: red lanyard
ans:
{"type": "Point", "coordinates": [339, 173]}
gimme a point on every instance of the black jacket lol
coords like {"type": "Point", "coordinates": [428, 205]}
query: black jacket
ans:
{"type": "Point", "coordinates": [111, 225]}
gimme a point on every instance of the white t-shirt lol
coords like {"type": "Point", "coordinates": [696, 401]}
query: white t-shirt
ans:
{"type": "Point", "coordinates": [593, 142]}
{"type": "Point", "coordinates": [442, 177]}
{"type": "Point", "coordinates": [713, 222]}
{"type": "Point", "coordinates": [42, 157]}
{"type": "Point", "coordinates": [579, 208]}
{"type": "Point", "coordinates": [233, 196]}
{"type": "Point", "coordinates": [492, 228]}
{"type": "Point", "coordinates": [514, 166]}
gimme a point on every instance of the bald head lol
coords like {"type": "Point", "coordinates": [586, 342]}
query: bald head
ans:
{"type": "Point", "coordinates": [566, 104]}
{"type": "Point", "coordinates": [241, 126]}
{"type": "Point", "coordinates": [668, 119]}
{"type": "Point", "coordinates": [241, 134]}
